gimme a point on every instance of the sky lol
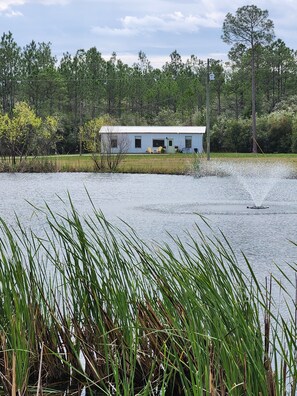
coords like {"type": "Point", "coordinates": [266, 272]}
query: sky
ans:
{"type": "Point", "coordinates": [155, 27]}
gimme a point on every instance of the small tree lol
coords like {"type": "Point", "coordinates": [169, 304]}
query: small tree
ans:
{"type": "Point", "coordinates": [89, 133]}
{"type": "Point", "coordinates": [47, 136]}
{"type": "Point", "coordinates": [25, 134]}
{"type": "Point", "coordinates": [114, 148]}
{"type": "Point", "coordinates": [107, 149]}
{"type": "Point", "coordinates": [22, 131]}
{"type": "Point", "coordinates": [4, 130]}
{"type": "Point", "coordinates": [250, 27]}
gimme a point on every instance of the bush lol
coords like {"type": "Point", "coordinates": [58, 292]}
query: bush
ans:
{"type": "Point", "coordinates": [274, 134]}
{"type": "Point", "coordinates": [280, 132]}
{"type": "Point", "coordinates": [294, 135]}
{"type": "Point", "coordinates": [29, 165]}
{"type": "Point", "coordinates": [231, 135]}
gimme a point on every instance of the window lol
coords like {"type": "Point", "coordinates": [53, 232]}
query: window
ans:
{"type": "Point", "coordinates": [170, 143]}
{"type": "Point", "coordinates": [158, 143]}
{"type": "Point", "coordinates": [114, 142]}
{"type": "Point", "coordinates": [137, 141]}
{"type": "Point", "coordinates": [188, 142]}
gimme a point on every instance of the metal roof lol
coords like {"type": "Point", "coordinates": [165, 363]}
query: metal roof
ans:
{"type": "Point", "coordinates": [153, 129]}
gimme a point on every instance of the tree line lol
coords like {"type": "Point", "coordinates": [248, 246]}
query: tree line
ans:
{"type": "Point", "coordinates": [64, 95]}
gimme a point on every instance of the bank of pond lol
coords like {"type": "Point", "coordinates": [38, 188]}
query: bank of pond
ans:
{"type": "Point", "coordinates": [177, 164]}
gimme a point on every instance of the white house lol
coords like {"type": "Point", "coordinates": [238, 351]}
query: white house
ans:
{"type": "Point", "coordinates": [143, 139]}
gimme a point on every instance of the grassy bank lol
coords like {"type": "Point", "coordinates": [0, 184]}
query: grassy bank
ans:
{"type": "Point", "coordinates": [142, 163]}
{"type": "Point", "coordinates": [164, 163]}
{"type": "Point", "coordinates": [91, 305]}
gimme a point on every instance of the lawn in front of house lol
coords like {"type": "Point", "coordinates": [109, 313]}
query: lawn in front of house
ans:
{"type": "Point", "coordinates": [131, 163]}
{"type": "Point", "coordinates": [177, 164]}
{"type": "Point", "coordinates": [162, 163]}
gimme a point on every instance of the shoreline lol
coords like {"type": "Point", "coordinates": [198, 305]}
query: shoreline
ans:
{"type": "Point", "coordinates": [163, 164]}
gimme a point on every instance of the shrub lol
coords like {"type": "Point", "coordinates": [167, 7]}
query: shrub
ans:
{"type": "Point", "coordinates": [231, 135]}
{"type": "Point", "coordinates": [29, 165]}
{"type": "Point", "coordinates": [280, 131]}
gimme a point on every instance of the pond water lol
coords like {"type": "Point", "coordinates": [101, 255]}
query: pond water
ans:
{"type": "Point", "coordinates": [155, 204]}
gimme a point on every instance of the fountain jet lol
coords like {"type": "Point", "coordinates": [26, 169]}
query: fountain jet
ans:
{"type": "Point", "coordinates": [256, 177]}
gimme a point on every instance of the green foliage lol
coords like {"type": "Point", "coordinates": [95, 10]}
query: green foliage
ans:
{"type": "Point", "coordinates": [25, 134]}
{"type": "Point", "coordinates": [83, 87]}
{"type": "Point", "coordinates": [90, 133]}
{"type": "Point", "coordinates": [167, 117]}
{"type": "Point", "coordinates": [250, 26]}
{"type": "Point", "coordinates": [40, 80]}
{"type": "Point", "coordinates": [231, 135]}
{"type": "Point", "coordinates": [280, 131]}
{"type": "Point", "coordinates": [47, 136]}
{"type": "Point", "coordinates": [276, 133]}
{"type": "Point", "coordinates": [249, 29]}
{"type": "Point", "coordinates": [294, 135]}
{"type": "Point", "coordinates": [181, 318]}
{"type": "Point", "coordinates": [10, 58]}
{"type": "Point", "coordinates": [20, 130]}
{"type": "Point", "coordinates": [289, 104]}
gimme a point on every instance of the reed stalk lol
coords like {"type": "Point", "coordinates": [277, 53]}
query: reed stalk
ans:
{"type": "Point", "coordinates": [92, 305]}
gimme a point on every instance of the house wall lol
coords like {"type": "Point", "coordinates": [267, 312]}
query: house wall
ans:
{"type": "Point", "coordinates": [178, 140]}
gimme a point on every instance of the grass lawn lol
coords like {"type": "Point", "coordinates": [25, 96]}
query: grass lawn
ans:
{"type": "Point", "coordinates": [133, 163]}
{"type": "Point", "coordinates": [163, 163]}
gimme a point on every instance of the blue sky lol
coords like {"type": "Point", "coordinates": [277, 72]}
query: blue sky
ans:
{"type": "Point", "coordinates": [156, 27]}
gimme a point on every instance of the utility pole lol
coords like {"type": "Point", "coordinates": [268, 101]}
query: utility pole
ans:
{"type": "Point", "coordinates": [207, 113]}
{"type": "Point", "coordinates": [209, 77]}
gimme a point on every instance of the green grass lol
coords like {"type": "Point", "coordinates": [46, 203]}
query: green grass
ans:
{"type": "Point", "coordinates": [176, 319]}
{"type": "Point", "coordinates": [164, 163]}
{"type": "Point", "coordinates": [139, 163]}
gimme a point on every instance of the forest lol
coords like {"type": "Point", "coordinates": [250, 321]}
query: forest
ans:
{"type": "Point", "coordinates": [45, 101]}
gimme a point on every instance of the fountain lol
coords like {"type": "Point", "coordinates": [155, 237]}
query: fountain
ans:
{"type": "Point", "coordinates": [233, 187]}
{"type": "Point", "coordinates": [258, 178]}
{"type": "Point", "coordinates": [258, 207]}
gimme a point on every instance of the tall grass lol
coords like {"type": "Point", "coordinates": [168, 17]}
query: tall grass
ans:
{"type": "Point", "coordinates": [29, 165]}
{"type": "Point", "coordinates": [91, 305]}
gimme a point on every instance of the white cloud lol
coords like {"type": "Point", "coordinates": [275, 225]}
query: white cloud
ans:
{"type": "Point", "coordinates": [50, 2]}
{"type": "Point", "coordinates": [107, 31]}
{"type": "Point", "coordinates": [8, 4]}
{"type": "Point", "coordinates": [12, 14]}
{"type": "Point", "coordinates": [175, 22]}
{"type": "Point", "coordinates": [156, 26]}
{"type": "Point", "coordinates": [8, 7]}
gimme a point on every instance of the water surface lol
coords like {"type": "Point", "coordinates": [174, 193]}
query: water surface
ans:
{"type": "Point", "coordinates": [155, 204]}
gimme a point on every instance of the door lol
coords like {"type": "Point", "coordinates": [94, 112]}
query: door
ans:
{"type": "Point", "coordinates": [170, 147]}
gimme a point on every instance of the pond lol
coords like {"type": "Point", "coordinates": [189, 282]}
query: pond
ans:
{"type": "Point", "coordinates": [156, 204]}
